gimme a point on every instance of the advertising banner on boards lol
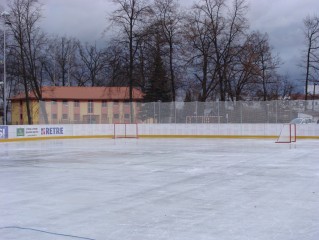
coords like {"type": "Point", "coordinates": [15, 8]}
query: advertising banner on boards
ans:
{"type": "Point", "coordinates": [51, 131]}
{"type": "Point", "coordinates": [3, 132]}
{"type": "Point", "coordinates": [28, 132]}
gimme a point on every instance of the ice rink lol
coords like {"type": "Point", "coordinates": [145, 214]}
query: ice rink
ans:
{"type": "Point", "coordinates": [156, 189]}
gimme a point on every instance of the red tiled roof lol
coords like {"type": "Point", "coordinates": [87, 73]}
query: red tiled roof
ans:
{"type": "Point", "coordinates": [85, 93]}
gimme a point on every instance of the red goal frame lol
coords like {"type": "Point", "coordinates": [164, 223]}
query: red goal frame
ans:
{"type": "Point", "coordinates": [125, 130]}
{"type": "Point", "coordinates": [290, 129]}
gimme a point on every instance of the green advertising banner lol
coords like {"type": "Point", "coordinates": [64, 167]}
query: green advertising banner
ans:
{"type": "Point", "coordinates": [20, 132]}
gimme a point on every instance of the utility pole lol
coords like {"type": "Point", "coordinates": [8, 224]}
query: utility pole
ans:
{"type": "Point", "coordinates": [5, 16]}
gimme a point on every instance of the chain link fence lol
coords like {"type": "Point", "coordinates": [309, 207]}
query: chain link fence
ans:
{"type": "Point", "coordinates": [67, 112]}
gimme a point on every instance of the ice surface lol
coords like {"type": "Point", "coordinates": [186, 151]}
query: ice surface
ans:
{"type": "Point", "coordinates": [154, 189]}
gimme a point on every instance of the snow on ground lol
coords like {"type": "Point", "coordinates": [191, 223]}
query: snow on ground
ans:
{"type": "Point", "coordinates": [156, 189]}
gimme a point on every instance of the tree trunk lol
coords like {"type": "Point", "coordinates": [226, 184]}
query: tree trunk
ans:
{"type": "Point", "coordinates": [172, 71]}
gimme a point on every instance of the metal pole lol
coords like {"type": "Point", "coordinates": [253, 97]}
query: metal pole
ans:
{"type": "Point", "coordinates": [175, 111]}
{"type": "Point", "coordinates": [154, 105]}
{"type": "Point", "coordinates": [313, 96]}
{"type": "Point", "coordinates": [267, 112]}
{"type": "Point", "coordinates": [196, 115]}
{"type": "Point", "coordinates": [5, 15]}
{"type": "Point", "coordinates": [277, 111]}
{"type": "Point", "coordinates": [4, 78]}
{"type": "Point", "coordinates": [218, 113]}
{"type": "Point", "coordinates": [159, 111]}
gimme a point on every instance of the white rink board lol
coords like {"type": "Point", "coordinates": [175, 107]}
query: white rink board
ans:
{"type": "Point", "coordinates": [78, 130]}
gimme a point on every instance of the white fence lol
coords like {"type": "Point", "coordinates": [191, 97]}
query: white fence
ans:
{"type": "Point", "coordinates": [68, 112]}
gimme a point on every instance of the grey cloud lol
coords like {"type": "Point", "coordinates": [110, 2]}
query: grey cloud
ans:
{"type": "Point", "coordinates": [281, 19]}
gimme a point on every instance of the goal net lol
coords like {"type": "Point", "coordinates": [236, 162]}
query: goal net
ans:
{"type": "Point", "coordinates": [287, 134]}
{"type": "Point", "coordinates": [124, 130]}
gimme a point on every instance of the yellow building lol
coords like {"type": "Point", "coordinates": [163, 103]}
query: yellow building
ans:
{"type": "Point", "coordinates": [64, 105]}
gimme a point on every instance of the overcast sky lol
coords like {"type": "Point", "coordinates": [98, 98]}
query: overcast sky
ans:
{"type": "Point", "coordinates": [281, 19]}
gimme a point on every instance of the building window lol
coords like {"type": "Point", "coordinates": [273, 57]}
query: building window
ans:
{"type": "Point", "coordinates": [76, 117]}
{"type": "Point", "coordinates": [104, 104]}
{"type": "Point", "coordinates": [53, 102]}
{"type": "Point", "coordinates": [116, 116]}
{"type": "Point", "coordinates": [64, 116]}
{"type": "Point", "coordinates": [90, 107]}
{"type": "Point", "coordinates": [104, 118]}
{"type": "Point", "coordinates": [115, 103]}
{"type": "Point", "coordinates": [127, 104]}
{"type": "Point", "coordinates": [54, 116]}
{"type": "Point", "coordinates": [76, 103]}
{"type": "Point", "coordinates": [65, 103]}
{"type": "Point", "coordinates": [127, 116]}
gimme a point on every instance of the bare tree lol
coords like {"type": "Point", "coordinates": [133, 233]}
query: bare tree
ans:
{"type": "Point", "coordinates": [227, 25]}
{"type": "Point", "coordinates": [220, 30]}
{"type": "Point", "coordinates": [244, 70]}
{"type": "Point", "coordinates": [116, 64]}
{"type": "Point", "coordinates": [13, 82]}
{"type": "Point", "coordinates": [267, 64]}
{"type": "Point", "coordinates": [129, 16]}
{"type": "Point", "coordinates": [169, 19]}
{"type": "Point", "coordinates": [29, 41]}
{"type": "Point", "coordinates": [281, 89]}
{"type": "Point", "coordinates": [199, 54]}
{"type": "Point", "coordinates": [311, 33]}
{"type": "Point", "coordinates": [61, 55]}
{"type": "Point", "coordinates": [94, 63]}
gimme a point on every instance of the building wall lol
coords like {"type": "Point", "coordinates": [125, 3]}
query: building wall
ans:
{"type": "Point", "coordinates": [96, 112]}
{"type": "Point", "coordinates": [15, 113]}
{"type": "Point", "coordinates": [19, 112]}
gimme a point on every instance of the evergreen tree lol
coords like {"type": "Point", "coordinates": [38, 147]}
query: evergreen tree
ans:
{"type": "Point", "coordinates": [158, 87]}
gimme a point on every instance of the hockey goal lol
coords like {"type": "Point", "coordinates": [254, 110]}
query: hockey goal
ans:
{"type": "Point", "coordinates": [288, 134]}
{"type": "Point", "coordinates": [125, 130]}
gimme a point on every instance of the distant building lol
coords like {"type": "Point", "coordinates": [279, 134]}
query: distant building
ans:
{"type": "Point", "coordinates": [313, 91]}
{"type": "Point", "coordinates": [74, 105]}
